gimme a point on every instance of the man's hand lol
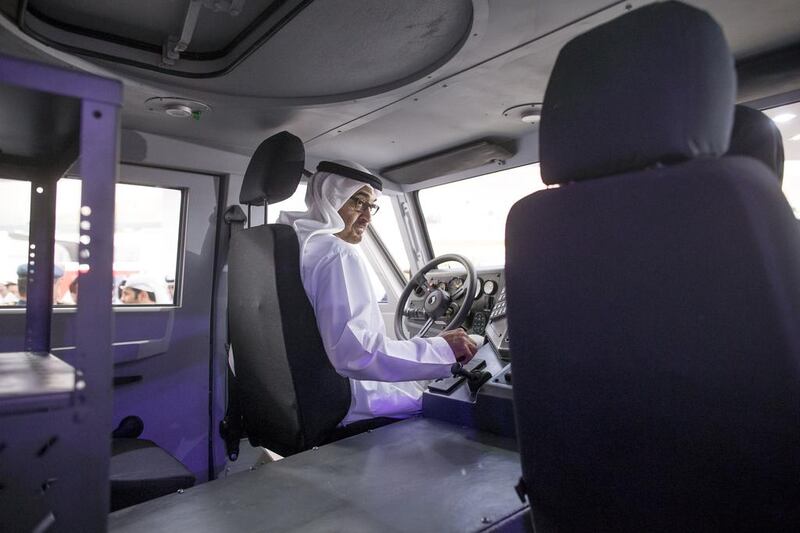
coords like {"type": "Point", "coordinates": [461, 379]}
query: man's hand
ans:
{"type": "Point", "coordinates": [463, 347]}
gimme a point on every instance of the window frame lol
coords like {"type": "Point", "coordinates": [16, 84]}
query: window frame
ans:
{"type": "Point", "coordinates": [181, 249]}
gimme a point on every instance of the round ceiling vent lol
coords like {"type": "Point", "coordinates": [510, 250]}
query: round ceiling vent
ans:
{"type": "Point", "coordinates": [177, 107]}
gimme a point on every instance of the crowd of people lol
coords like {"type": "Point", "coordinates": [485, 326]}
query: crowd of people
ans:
{"type": "Point", "coordinates": [135, 289]}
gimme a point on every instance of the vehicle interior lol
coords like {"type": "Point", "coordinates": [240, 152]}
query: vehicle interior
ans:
{"type": "Point", "coordinates": [604, 195]}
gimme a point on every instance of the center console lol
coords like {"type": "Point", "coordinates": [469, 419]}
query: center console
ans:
{"type": "Point", "coordinates": [490, 408]}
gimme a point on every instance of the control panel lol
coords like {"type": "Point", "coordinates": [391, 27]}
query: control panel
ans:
{"type": "Point", "coordinates": [497, 328]}
{"type": "Point", "coordinates": [448, 385]}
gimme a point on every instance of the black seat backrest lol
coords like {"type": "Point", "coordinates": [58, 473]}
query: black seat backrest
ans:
{"type": "Point", "coordinates": [654, 295]}
{"type": "Point", "coordinates": [756, 135]}
{"type": "Point", "coordinates": [291, 397]}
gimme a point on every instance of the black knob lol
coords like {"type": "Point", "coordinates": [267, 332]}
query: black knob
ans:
{"type": "Point", "coordinates": [475, 379]}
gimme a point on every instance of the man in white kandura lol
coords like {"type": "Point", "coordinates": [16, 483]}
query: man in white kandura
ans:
{"type": "Point", "coordinates": [386, 375]}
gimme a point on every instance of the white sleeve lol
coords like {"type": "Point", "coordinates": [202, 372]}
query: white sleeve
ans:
{"type": "Point", "coordinates": [354, 334]}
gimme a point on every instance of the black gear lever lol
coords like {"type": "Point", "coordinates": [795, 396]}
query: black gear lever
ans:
{"type": "Point", "coordinates": [475, 378]}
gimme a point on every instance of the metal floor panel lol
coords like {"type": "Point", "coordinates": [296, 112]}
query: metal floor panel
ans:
{"type": "Point", "coordinates": [415, 475]}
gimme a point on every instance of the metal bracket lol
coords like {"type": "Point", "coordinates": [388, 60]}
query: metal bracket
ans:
{"type": "Point", "coordinates": [171, 51]}
{"type": "Point", "coordinates": [416, 247]}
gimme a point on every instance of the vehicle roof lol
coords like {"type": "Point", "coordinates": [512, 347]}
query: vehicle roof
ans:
{"type": "Point", "coordinates": [381, 82]}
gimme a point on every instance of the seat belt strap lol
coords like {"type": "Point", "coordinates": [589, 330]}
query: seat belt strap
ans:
{"type": "Point", "coordinates": [231, 428]}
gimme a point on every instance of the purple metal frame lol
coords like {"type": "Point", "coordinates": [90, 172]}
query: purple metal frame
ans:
{"type": "Point", "coordinates": [69, 465]}
{"type": "Point", "coordinates": [40, 265]}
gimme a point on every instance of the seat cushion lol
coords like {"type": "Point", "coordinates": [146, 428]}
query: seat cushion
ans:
{"type": "Point", "coordinates": [141, 471]}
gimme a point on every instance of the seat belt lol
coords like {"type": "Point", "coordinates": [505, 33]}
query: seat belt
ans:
{"type": "Point", "coordinates": [231, 428]}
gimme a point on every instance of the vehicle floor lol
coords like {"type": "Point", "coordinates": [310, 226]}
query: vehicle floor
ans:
{"type": "Point", "coordinates": [250, 457]}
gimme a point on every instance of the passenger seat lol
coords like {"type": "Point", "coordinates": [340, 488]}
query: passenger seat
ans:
{"type": "Point", "coordinates": [756, 135]}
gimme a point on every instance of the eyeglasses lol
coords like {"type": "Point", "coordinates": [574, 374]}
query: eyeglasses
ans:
{"type": "Point", "coordinates": [362, 206]}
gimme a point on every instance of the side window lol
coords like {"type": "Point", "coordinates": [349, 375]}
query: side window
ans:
{"type": "Point", "coordinates": [787, 118]}
{"type": "Point", "coordinates": [377, 286]}
{"type": "Point", "coordinates": [296, 202]}
{"type": "Point", "coordinates": [146, 243]}
{"type": "Point", "coordinates": [385, 223]}
{"type": "Point", "coordinates": [14, 219]}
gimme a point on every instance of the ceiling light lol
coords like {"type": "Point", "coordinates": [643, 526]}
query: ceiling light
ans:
{"type": "Point", "coordinates": [527, 113]}
{"type": "Point", "coordinates": [795, 138]}
{"type": "Point", "coordinates": [783, 117]}
{"type": "Point", "coordinates": [177, 107]}
{"type": "Point", "coordinates": [178, 111]}
{"type": "Point", "coordinates": [531, 117]}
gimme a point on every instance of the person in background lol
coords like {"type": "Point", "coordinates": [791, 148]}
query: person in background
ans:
{"type": "Point", "coordinates": [139, 289]}
{"type": "Point", "coordinates": [170, 287]}
{"type": "Point", "coordinates": [73, 291]}
{"type": "Point", "coordinates": [12, 293]}
{"type": "Point", "coordinates": [22, 282]}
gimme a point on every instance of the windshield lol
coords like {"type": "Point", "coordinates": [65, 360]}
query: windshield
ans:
{"type": "Point", "coordinates": [787, 119]}
{"type": "Point", "coordinates": [469, 217]}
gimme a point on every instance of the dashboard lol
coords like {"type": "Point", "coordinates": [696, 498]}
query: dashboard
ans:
{"type": "Point", "coordinates": [487, 315]}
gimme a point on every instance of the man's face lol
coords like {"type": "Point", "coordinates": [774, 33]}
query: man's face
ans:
{"type": "Point", "coordinates": [128, 296]}
{"type": "Point", "coordinates": [356, 215]}
{"type": "Point", "coordinates": [132, 296]}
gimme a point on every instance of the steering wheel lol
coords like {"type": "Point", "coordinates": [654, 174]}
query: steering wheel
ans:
{"type": "Point", "coordinates": [434, 302]}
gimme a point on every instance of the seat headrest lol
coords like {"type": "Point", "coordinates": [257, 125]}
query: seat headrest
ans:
{"type": "Point", "coordinates": [274, 170]}
{"type": "Point", "coordinates": [755, 135]}
{"type": "Point", "coordinates": [656, 85]}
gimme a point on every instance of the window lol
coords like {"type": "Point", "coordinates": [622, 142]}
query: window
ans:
{"type": "Point", "coordinates": [386, 226]}
{"type": "Point", "coordinates": [14, 218]}
{"type": "Point", "coordinates": [296, 202]}
{"type": "Point", "coordinates": [787, 119]}
{"type": "Point", "coordinates": [469, 217]}
{"type": "Point", "coordinates": [146, 243]}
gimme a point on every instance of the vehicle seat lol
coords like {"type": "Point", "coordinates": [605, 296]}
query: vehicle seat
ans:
{"type": "Point", "coordinates": [140, 470]}
{"type": "Point", "coordinates": [290, 396]}
{"type": "Point", "coordinates": [756, 135]}
{"type": "Point", "coordinates": [654, 295]}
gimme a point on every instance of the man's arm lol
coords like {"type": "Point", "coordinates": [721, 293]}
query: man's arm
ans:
{"type": "Point", "coordinates": [353, 332]}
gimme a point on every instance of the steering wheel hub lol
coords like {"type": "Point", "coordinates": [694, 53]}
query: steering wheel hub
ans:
{"type": "Point", "coordinates": [436, 303]}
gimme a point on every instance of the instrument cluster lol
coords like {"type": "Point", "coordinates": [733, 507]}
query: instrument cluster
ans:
{"type": "Point", "coordinates": [489, 284]}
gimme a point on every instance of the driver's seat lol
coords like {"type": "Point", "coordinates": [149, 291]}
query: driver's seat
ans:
{"type": "Point", "coordinates": [291, 398]}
